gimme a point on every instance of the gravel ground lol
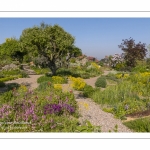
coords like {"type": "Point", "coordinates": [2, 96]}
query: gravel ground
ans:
{"type": "Point", "coordinates": [92, 112]}
{"type": "Point", "coordinates": [32, 80]}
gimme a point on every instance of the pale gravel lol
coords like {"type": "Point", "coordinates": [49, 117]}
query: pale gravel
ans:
{"type": "Point", "coordinates": [32, 81]}
{"type": "Point", "coordinates": [92, 112]}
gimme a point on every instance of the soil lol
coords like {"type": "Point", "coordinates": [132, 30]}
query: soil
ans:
{"type": "Point", "coordinates": [139, 114]}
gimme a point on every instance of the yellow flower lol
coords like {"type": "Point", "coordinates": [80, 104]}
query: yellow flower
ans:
{"type": "Point", "coordinates": [57, 79]}
{"type": "Point", "coordinates": [77, 83]}
{"type": "Point", "coordinates": [58, 86]}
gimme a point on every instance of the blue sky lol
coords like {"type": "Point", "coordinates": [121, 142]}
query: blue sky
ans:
{"type": "Point", "coordinates": [94, 36]}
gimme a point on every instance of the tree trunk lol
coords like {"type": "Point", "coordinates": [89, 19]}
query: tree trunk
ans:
{"type": "Point", "coordinates": [53, 68]}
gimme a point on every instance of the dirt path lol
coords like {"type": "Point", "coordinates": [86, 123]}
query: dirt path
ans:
{"type": "Point", "coordinates": [32, 81]}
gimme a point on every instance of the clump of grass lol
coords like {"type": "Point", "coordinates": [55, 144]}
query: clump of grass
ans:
{"type": "Point", "coordinates": [139, 125]}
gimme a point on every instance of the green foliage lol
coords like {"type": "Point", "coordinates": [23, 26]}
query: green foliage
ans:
{"type": "Point", "coordinates": [88, 91]}
{"type": "Point", "coordinates": [12, 48]}
{"type": "Point", "coordinates": [44, 79]}
{"type": "Point", "coordinates": [120, 67]}
{"type": "Point", "coordinates": [140, 67]}
{"type": "Point", "coordinates": [40, 70]}
{"type": "Point", "coordinates": [54, 79]}
{"type": "Point", "coordinates": [7, 75]}
{"type": "Point", "coordinates": [139, 125]}
{"type": "Point", "coordinates": [6, 97]}
{"type": "Point", "coordinates": [101, 82]}
{"type": "Point", "coordinates": [51, 42]}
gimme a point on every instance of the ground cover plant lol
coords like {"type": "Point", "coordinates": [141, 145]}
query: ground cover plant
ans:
{"type": "Point", "coordinates": [40, 70]}
{"type": "Point", "coordinates": [53, 79]}
{"type": "Point", "coordinates": [6, 75]}
{"type": "Point", "coordinates": [139, 125]}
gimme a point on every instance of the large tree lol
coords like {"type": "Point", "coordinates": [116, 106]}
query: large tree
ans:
{"type": "Point", "coordinates": [51, 42]}
{"type": "Point", "coordinates": [133, 51]}
{"type": "Point", "coordinates": [12, 48]}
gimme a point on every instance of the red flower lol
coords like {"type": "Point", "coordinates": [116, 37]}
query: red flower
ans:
{"type": "Point", "coordinates": [48, 83]}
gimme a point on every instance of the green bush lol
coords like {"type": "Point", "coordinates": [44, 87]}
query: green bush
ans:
{"type": "Point", "coordinates": [101, 82]}
{"type": "Point", "coordinates": [88, 90]}
{"type": "Point", "coordinates": [43, 86]}
{"type": "Point", "coordinates": [120, 67]}
{"type": "Point", "coordinates": [44, 79]}
{"type": "Point", "coordinates": [6, 97]}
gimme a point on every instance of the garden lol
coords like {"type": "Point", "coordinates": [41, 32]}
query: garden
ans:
{"type": "Point", "coordinates": [123, 91]}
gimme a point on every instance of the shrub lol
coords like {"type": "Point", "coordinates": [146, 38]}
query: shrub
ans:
{"type": "Point", "coordinates": [43, 85]}
{"type": "Point", "coordinates": [120, 67]}
{"type": "Point", "coordinates": [59, 80]}
{"type": "Point", "coordinates": [44, 79]}
{"type": "Point", "coordinates": [77, 83]}
{"type": "Point", "coordinates": [57, 86]}
{"type": "Point", "coordinates": [101, 82]}
{"type": "Point", "coordinates": [88, 90]}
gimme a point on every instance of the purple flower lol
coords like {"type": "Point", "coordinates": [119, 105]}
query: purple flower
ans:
{"type": "Point", "coordinates": [69, 108]}
{"type": "Point", "coordinates": [52, 109]}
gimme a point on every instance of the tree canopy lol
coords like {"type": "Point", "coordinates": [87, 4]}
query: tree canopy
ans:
{"type": "Point", "coordinates": [133, 51]}
{"type": "Point", "coordinates": [51, 42]}
{"type": "Point", "coordinates": [12, 48]}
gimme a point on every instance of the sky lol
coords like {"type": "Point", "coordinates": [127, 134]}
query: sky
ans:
{"type": "Point", "coordinates": [97, 37]}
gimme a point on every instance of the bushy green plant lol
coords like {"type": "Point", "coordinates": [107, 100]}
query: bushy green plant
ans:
{"type": "Point", "coordinates": [120, 67]}
{"type": "Point", "coordinates": [44, 79]}
{"type": "Point", "coordinates": [101, 82]}
{"type": "Point", "coordinates": [88, 90]}
{"type": "Point", "coordinates": [6, 97]}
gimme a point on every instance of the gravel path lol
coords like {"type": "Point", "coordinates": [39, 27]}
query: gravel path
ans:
{"type": "Point", "coordinates": [92, 112]}
{"type": "Point", "coordinates": [32, 80]}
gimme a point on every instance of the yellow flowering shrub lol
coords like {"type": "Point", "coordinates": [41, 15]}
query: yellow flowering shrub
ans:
{"type": "Point", "coordinates": [120, 76]}
{"type": "Point", "coordinates": [58, 80]}
{"type": "Point", "coordinates": [142, 78]}
{"type": "Point", "coordinates": [22, 88]}
{"type": "Point", "coordinates": [58, 86]}
{"type": "Point", "coordinates": [95, 65]}
{"type": "Point", "coordinates": [77, 83]}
